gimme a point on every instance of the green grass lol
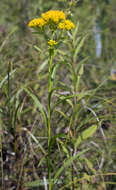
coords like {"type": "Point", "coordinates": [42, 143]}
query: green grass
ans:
{"type": "Point", "coordinates": [57, 125]}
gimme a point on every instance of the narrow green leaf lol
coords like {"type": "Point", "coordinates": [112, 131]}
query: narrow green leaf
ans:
{"type": "Point", "coordinates": [43, 65]}
{"type": "Point", "coordinates": [1, 111]}
{"type": "Point", "coordinates": [81, 70]}
{"type": "Point", "coordinates": [38, 183]}
{"type": "Point", "coordinates": [54, 70]}
{"type": "Point", "coordinates": [70, 103]}
{"type": "Point", "coordinates": [90, 165]}
{"type": "Point", "coordinates": [7, 37]}
{"type": "Point", "coordinates": [41, 161]}
{"type": "Point", "coordinates": [86, 134]}
{"type": "Point", "coordinates": [6, 77]}
{"type": "Point", "coordinates": [79, 77]}
{"type": "Point", "coordinates": [68, 163]}
{"type": "Point", "coordinates": [35, 183]}
{"type": "Point", "coordinates": [80, 63]}
{"type": "Point", "coordinates": [65, 98]}
{"type": "Point", "coordinates": [87, 177]}
{"type": "Point", "coordinates": [38, 104]}
{"type": "Point", "coordinates": [63, 114]}
{"type": "Point", "coordinates": [37, 142]}
{"type": "Point", "coordinates": [75, 32]}
{"type": "Point", "coordinates": [65, 150]}
{"type": "Point", "coordinates": [110, 182]}
{"type": "Point", "coordinates": [37, 48]}
{"type": "Point", "coordinates": [78, 49]}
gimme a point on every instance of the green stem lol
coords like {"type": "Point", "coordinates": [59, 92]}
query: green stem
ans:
{"type": "Point", "coordinates": [50, 84]}
{"type": "Point", "coordinates": [9, 110]}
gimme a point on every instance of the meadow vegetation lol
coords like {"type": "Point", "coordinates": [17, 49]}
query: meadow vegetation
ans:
{"type": "Point", "coordinates": [58, 95]}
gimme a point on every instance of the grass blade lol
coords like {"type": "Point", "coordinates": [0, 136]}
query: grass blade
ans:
{"type": "Point", "coordinates": [39, 105]}
{"type": "Point", "coordinates": [68, 163]}
{"type": "Point", "coordinates": [6, 77]}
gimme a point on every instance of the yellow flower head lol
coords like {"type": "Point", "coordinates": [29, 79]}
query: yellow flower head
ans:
{"type": "Point", "coordinates": [66, 24]}
{"type": "Point", "coordinates": [61, 25]}
{"type": "Point", "coordinates": [54, 16]}
{"type": "Point", "coordinates": [52, 42]}
{"type": "Point", "coordinates": [37, 22]}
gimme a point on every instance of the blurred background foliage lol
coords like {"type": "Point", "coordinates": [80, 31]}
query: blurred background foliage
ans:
{"type": "Point", "coordinates": [18, 46]}
{"type": "Point", "coordinates": [96, 19]}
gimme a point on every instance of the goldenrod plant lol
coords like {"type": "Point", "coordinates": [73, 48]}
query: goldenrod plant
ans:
{"type": "Point", "coordinates": [57, 95]}
{"type": "Point", "coordinates": [53, 21]}
{"type": "Point", "coordinates": [54, 25]}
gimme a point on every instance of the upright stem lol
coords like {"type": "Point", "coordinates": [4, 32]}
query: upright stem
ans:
{"type": "Point", "coordinates": [9, 108]}
{"type": "Point", "coordinates": [51, 54]}
{"type": "Point", "coordinates": [74, 128]}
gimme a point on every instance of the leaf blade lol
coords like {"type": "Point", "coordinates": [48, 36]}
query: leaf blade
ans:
{"type": "Point", "coordinates": [86, 134]}
{"type": "Point", "coordinates": [39, 105]}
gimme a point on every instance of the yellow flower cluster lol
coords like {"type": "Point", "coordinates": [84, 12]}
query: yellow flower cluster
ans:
{"type": "Point", "coordinates": [37, 22]}
{"type": "Point", "coordinates": [52, 16]}
{"type": "Point", "coordinates": [52, 42]}
{"type": "Point", "coordinates": [66, 24]}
